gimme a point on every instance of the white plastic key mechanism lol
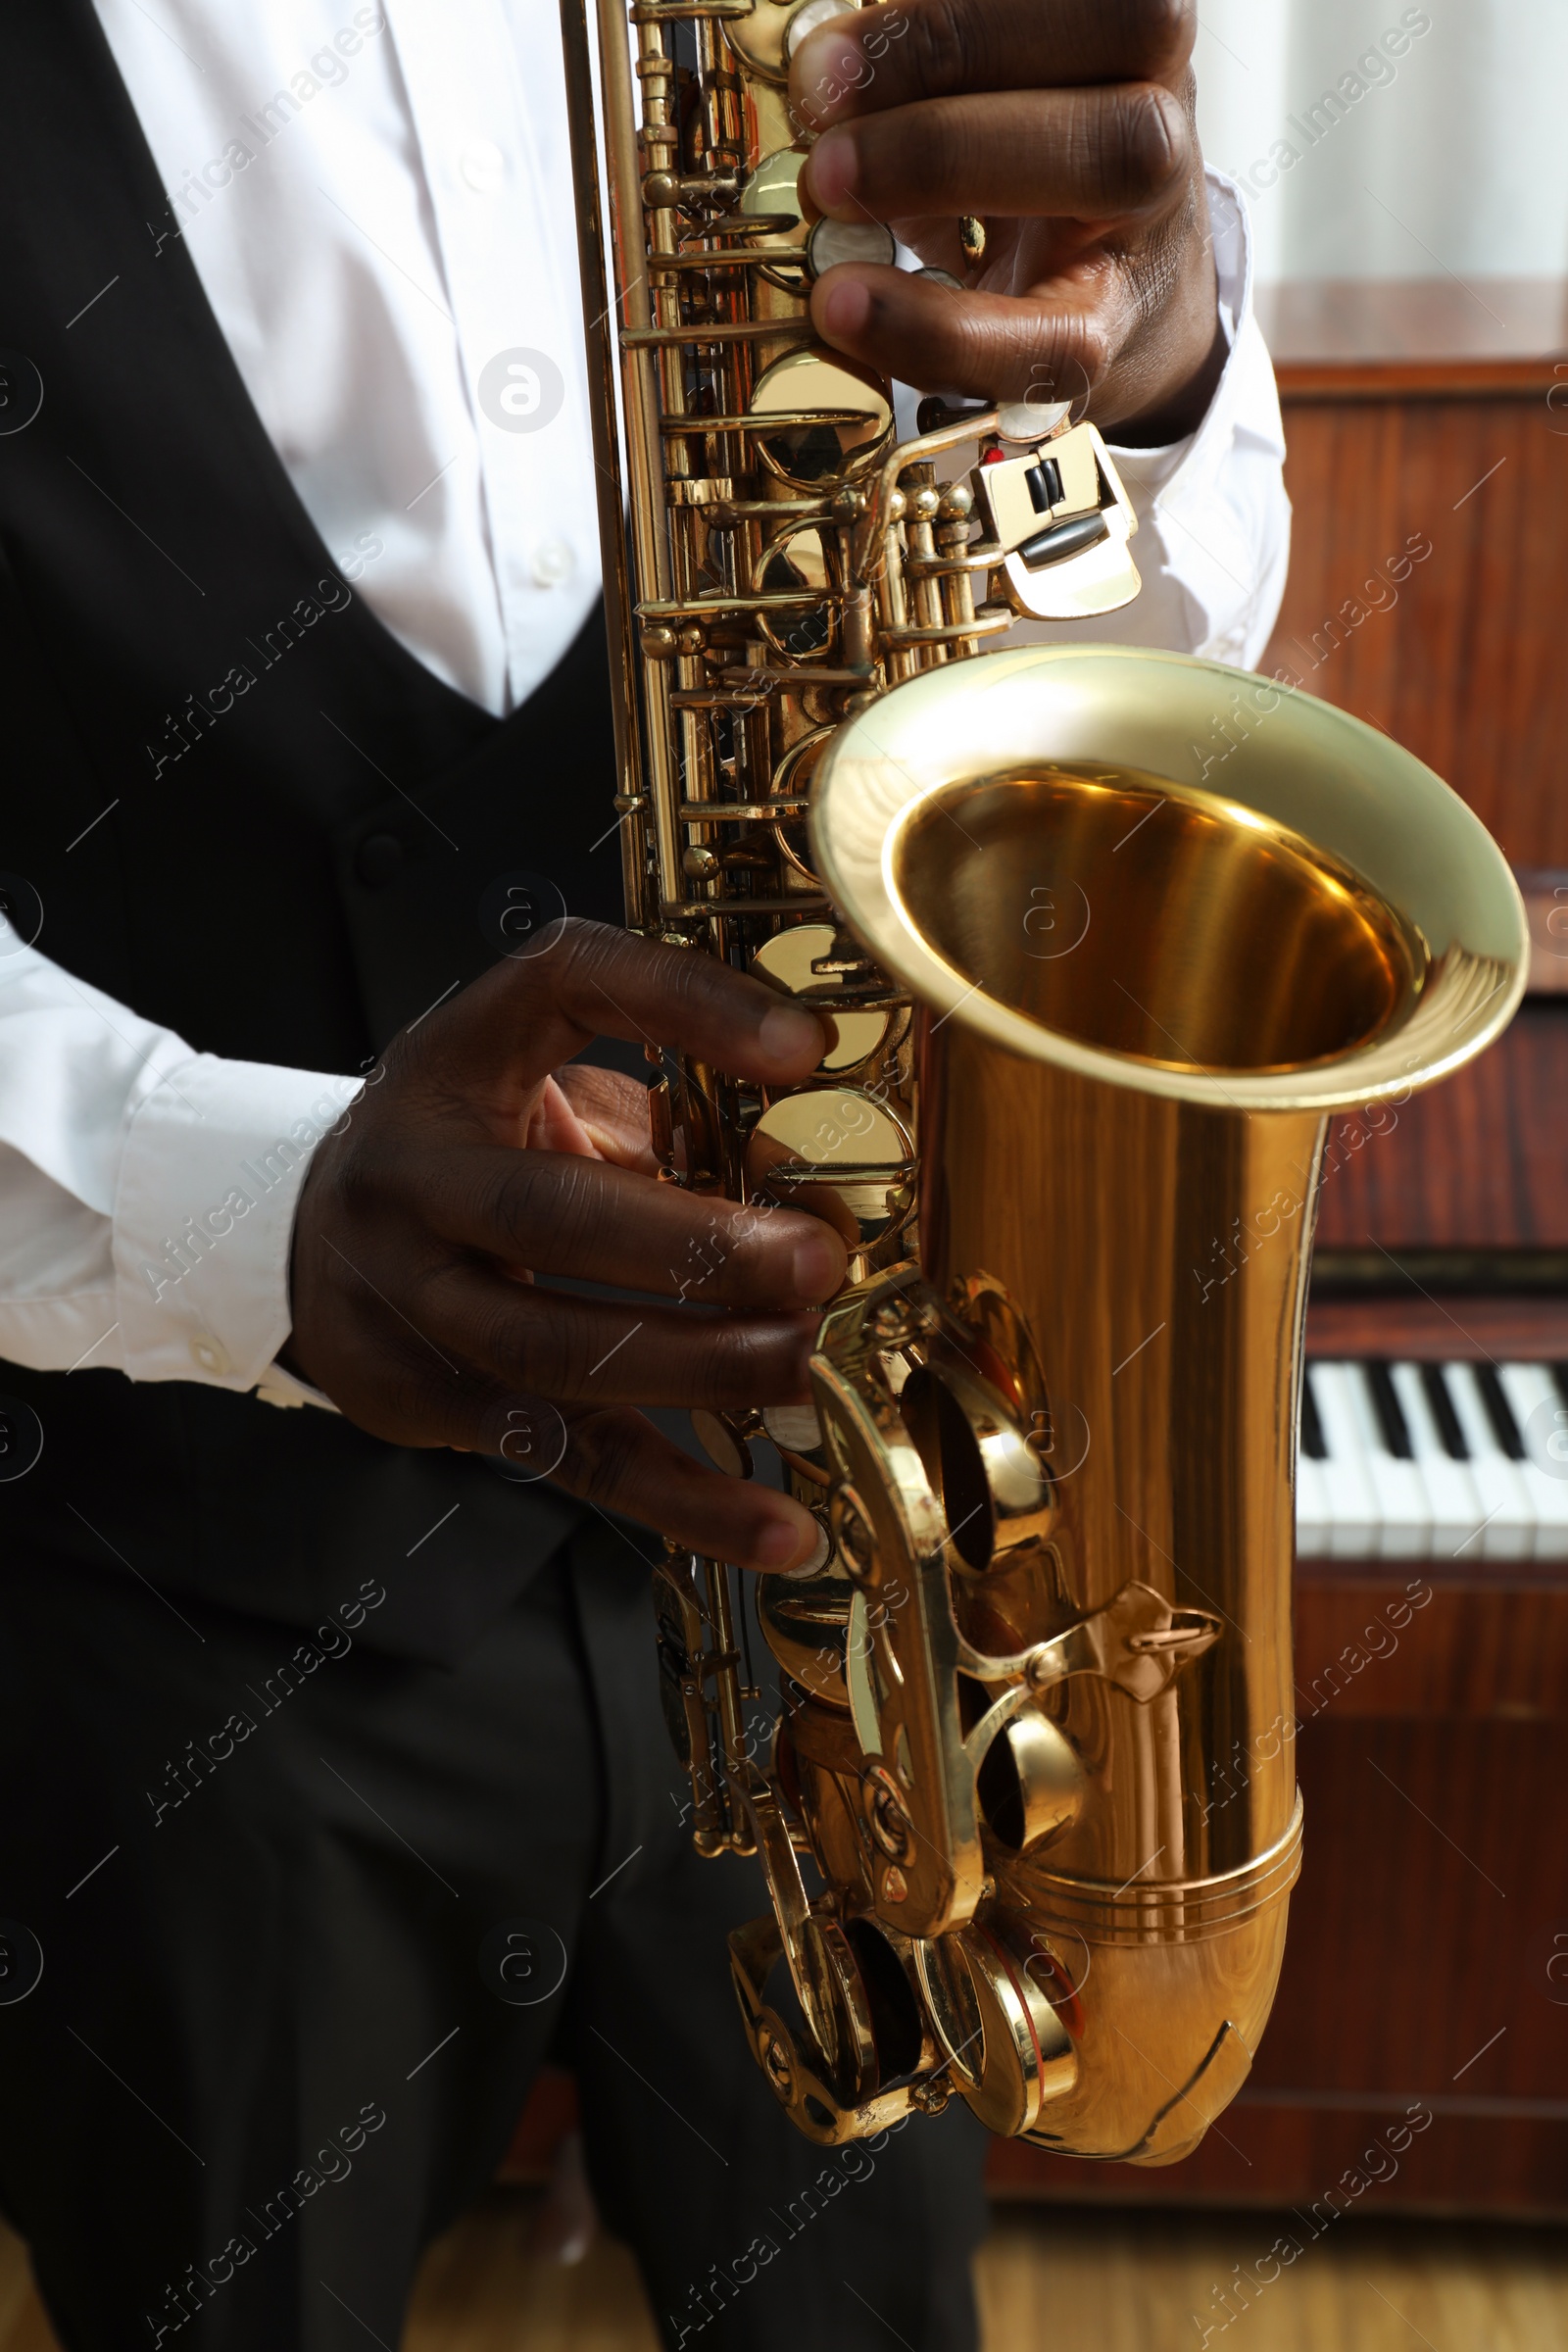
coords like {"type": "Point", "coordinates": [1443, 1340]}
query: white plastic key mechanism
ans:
{"type": "Point", "coordinates": [1059, 515]}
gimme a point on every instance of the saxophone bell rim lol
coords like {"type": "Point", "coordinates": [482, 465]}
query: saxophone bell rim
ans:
{"type": "Point", "coordinates": [1288, 764]}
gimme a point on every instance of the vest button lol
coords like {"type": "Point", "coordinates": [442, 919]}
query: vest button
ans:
{"type": "Point", "coordinates": [378, 858]}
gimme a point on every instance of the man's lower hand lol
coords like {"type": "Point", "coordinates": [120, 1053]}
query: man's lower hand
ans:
{"type": "Point", "coordinates": [477, 1160]}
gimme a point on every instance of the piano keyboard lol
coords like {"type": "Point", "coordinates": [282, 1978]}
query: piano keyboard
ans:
{"type": "Point", "coordinates": [1433, 1461]}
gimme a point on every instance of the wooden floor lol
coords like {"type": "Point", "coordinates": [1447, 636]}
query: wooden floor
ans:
{"type": "Point", "coordinates": [1065, 2282]}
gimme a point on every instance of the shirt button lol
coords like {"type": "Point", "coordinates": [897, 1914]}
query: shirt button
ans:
{"type": "Point", "coordinates": [483, 166]}
{"type": "Point", "coordinates": [210, 1357]}
{"type": "Point", "coordinates": [553, 563]}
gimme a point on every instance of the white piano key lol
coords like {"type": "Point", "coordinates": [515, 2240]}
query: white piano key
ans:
{"type": "Point", "coordinates": [1542, 1416]}
{"type": "Point", "coordinates": [1352, 1506]}
{"type": "Point", "coordinates": [1508, 1514]}
{"type": "Point", "coordinates": [1315, 1518]}
{"type": "Point", "coordinates": [1314, 1514]}
{"type": "Point", "coordinates": [1456, 1512]}
{"type": "Point", "coordinates": [1403, 1511]}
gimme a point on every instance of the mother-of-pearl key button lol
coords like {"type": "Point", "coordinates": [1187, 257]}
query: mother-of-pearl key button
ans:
{"type": "Point", "coordinates": [834, 241]}
{"type": "Point", "coordinates": [795, 1427]}
{"type": "Point", "coordinates": [806, 18]}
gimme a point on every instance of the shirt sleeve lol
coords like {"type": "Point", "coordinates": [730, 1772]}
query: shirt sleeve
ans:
{"type": "Point", "coordinates": [1213, 540]}
{"type": "Point", "coordinates": [147, 1193]}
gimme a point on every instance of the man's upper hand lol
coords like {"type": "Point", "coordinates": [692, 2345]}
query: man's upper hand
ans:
{"type": "Point", "coordinates": [1067, 127]}
{"type": "Point", "coordinates": [477, 1160]}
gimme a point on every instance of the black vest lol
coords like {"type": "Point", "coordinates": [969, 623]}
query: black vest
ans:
{"type": "Point", "coordinates": [288, 871]}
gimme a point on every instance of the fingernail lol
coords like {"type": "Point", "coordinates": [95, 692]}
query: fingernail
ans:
{"type": "Point", "coordinates": [818, 1266]}
{"type": "Point", "coordinates": [846, 308]}
{"type": "Point", "coordinates": [833, 168]}
{"type": "Point", "coordinates": [787, 1035]}
{"type": "Point", "coordinates": [786, 1544]}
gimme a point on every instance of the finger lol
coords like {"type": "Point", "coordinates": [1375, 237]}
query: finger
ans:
{"type": "Point", "coordinates": [557, 1214]}
{"type": "Point", "coordinates": [612, 1458]}
{"type": "Point", "coordinates": [597, 1351]}
{"type": "Point", "coordinates": [1089, 154]}
{"type": "Point", "coordinates": [995, 345]}
{"type": "Point", "coordinates": [917, 49]}
{"type": "Point", "coordinates": [614, 1111]}
{"type": "Point", "coordinates": [622, 1463]}
{"type": "Point", "coordinates": [522, 1019]}
{"type": "Point", "coordinates": [554, 1125]}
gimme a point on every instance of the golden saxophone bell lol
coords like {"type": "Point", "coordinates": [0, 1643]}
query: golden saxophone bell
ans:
{"type": "Point", "coordinates": [1096, 991]}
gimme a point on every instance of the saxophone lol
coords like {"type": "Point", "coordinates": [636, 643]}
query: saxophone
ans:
{"type": "Point", "coordinates": [1106, 937]}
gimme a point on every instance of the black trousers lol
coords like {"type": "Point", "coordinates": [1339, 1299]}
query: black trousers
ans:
{"type": "Point", "coordinates": [306, 1930]}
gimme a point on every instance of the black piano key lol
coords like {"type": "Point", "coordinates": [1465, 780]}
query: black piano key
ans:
{"type": "Point", "coordinates": [1443, 1414]}
{"type": "Point", "coordinates": [1499, 1412]}
{"type": "Point", "coordinates": [1559, 1374]}
{"type": "Point", "coordinates": [1390, 1412]}
{"type": "Point", "coordinates": [1313, 1445]}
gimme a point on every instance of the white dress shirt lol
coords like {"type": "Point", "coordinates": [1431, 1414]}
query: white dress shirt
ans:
{"type": "Point", "coordinates": [377, 201]}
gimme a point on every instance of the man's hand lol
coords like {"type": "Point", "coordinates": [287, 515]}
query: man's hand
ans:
{"type": "Point", "coordinates": [1067, 127]}
{"type": "Point", "coordinates": [468, 1168]}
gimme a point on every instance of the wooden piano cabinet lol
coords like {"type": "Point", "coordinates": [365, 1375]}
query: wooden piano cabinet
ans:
{"type": "Point", "coordinates": [1478, 1166]}
{"type": "Point", "coordinates": [1433, 1758]}
{"type": "Point", "coordinates": [1435, 417]}
{"type": "Point", "coordinates": [1478, 1163]}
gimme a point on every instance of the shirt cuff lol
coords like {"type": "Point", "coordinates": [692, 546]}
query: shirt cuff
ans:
{"type": "Point", "coordinates": [1214, 523]}
{"type": "Point", "coordinates": [1235, 399]}
{"type": "Point", "coordinates": [210, 1177]}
